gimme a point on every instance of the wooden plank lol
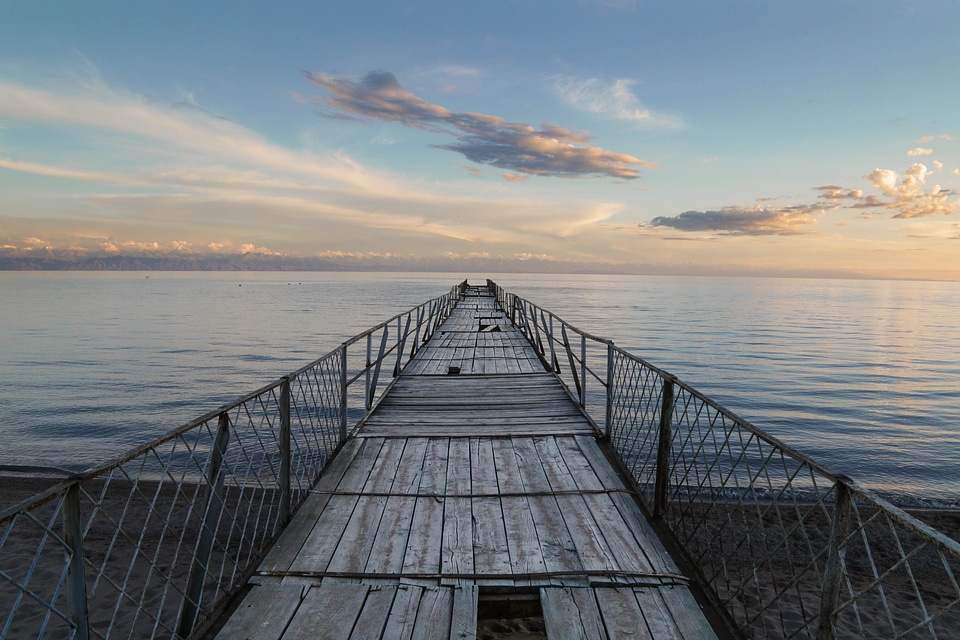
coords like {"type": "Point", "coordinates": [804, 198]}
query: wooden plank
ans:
{"type": "Point", "coordinates": [264, 613]}
{"type": "Point", "coordinates": [628, 552]}
{"type": "Point", "coordinates": [373, 617]}
{"type": "Point", "coordinates": [327, 611]}
{"type": "Point", "coordinates": [553, 465]}
{"type": "Point", "coordinates": [621, 614]}
{"type": "Point", "coordinates": [508, 473]}
{"type": "Point", "coordinates": [557, 547]}
{"type": "Point", "coordinates": [385, 467]}
{"type": "Point", "coordinates": [458, 466]}
{"type": "Point", "coordinates": [656, 614]}
{"type": "Point", "coordinates": [390, 544]}
{"type": "Point", "coordinates": [587, 537]}
{"type": "Point", "coordinates": [687, 614]}
{"type": "Point", "coordinates": [409, 476]}
{"type": "Point", "coordinates": [283, 552]}
{"type": "Point", "coordinates": [355, 477]}
{"type": "Point", "coordinates": [320, 545]}
{"type": "Point", "coordinates": [456, 552]}
{"type": "Point", "coordinates": [358, 537]}
{"type": "Point", "coordinates": [491, 553]}
{"type": "Point", "coordinates": [464, 618]}
{"type": "Point", "coordinates": [586, 603]}
{"type": "Point", "coordinates": [483, 469]}
{"type": "Point", "coordinates": [434, 616]}
{"type": "Point", "coordinates": [434, 478]}
{"type": "Point", "coordinates": [532, 474]}
{"type": "Point", "coordinates": [426, 534]}
{"type": "Point", "coordinates": [403, 614]}
{"type": "Point", "coordinates": [560, 614]}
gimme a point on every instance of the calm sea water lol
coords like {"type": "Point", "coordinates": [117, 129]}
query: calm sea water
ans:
{"type": "Point", "coordinates": [861, 375]}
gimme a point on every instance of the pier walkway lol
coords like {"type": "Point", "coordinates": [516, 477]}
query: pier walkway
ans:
{"type": "Point", "coordinates": [476, 488]}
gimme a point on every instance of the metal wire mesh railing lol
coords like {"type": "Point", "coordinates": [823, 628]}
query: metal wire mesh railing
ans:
{"type": "Point", "coordinates": [785, 547]}
{"type": "Point", "coordinates": [154, 544]}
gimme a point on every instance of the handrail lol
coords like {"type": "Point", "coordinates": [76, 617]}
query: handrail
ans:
{"type": "Point", "coordinates": [155, 542]}
{"type": "Point", "coordinates": [784, 546]}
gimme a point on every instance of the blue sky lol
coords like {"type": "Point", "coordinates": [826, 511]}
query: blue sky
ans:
{"type": "Point", "coordinates": [753, 137]}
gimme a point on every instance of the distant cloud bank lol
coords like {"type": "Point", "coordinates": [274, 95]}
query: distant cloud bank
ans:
{"type": "Point", "coordinates": [484, 139]}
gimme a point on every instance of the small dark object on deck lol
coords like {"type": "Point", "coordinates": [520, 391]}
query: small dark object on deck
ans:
{"type": "Point", "coordinates": [453, 371]}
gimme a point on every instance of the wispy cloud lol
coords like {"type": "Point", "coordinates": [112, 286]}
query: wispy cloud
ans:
{"type": "Point", "coordinates": [549, 151]}
{"type": "Point", "coordinates": [740, 221]}
{"type": "Point", "coordinates": [919, 151]}
{"type": "Point", "coordinates": [614, 100]}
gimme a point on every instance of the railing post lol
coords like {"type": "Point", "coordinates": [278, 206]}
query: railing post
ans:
{"type": "Point", "coordinates": [839, 529]}
{"type": "Point", "coordinates": [285, 450]}
{"type": "Point", "coordinates": [208, 531]}
{"type": "Point", "coordinates": [76, 580]}
{"type": "Point", "coordinates": [583, 371]}
{"type": "Point", "coordinates": [343, 393]}
{"type": "Point", "coordinates": [608, 418]}
{"type": "Point", "coordinates": [663, 450]}
{"type": "Point", "coordinates": [372, 390]}
{"type": "Point", "coordinates": [366, 389]}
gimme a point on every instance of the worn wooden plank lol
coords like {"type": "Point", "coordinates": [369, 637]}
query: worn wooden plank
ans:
{"type": "Point", "coordinates": [464, 619]}
{"type": "Point", "coordinates": [328, 612]}
{"type": "Point", "coordinates": [656, 614]}
{"type": "Point", "coordinates": [410, 472]}
{"type": "Point", "coordinates": [587, 537]}
{"type": "Point", "coordinates": [553, 465]}
{"type": "Point", "coordinates": [373, 617]}
{"type": "Point", "coordinates": [358, 537]}
{"type": "Point", "coordinates": [384, 468]}
{"type": "Point", "coordinates": [390, 544]}
{"type": "Point", "coordinates": [264, 613]}
{"type": "Point", "coordinates": [426, 535]}
{"type": "Point", "coordinates": [458, 466]}
{"type": "Point", "coordinates": [320, 545]}
{"type": "Point", "coordinates": [491, 553]}
{"type": "Point", "coordinates": [560, 614]}
{"type": "Point", "coordinates": [355, 477]}
{"type": "Point", "coordinates": [456, 551]}
{"type": "Point", "coordinates": [619, 538]}
{"type": "Point", "coordinates": [434, 615]}
{"type": "Point", "coordinates": [557, 548]}
{"type": "Point", "coordinates": [403, 614]}
{"type": "Point", "coordinates": [483, 469]}
{"type": "Point", "coordinates": [621, 614]}
{"type": "Point", "coordinates": [282, 553]}
{"type": "Point", "coordinates": [590, 618]}
{"type": "Point", "coordinates": [532, 474]}
{"type": "Point", "coordinates": [687, 614]}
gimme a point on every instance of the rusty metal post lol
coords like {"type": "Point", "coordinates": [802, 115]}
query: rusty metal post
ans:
{"type": "Point", "coordinates": [343, 393]}
{"type": "Point", "coordinates": [285, 450]}
{"type": "Point", "coordinates": [663, 449]}
{"type": "Point", "coordinates": [208, 531]}
{"type": "Point", "coordinates": [839, 529]}
{"type": "Point", "coordinates": [76, 580]}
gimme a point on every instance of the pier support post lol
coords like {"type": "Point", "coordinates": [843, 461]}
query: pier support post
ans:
{"type": "Point", "coordinates": [663, 449]}
{"type": "Point", "coordinates": [839, 529]}
{"type": "Point", "coordinates": [213, 507]}
{"type": "Point", "coordinates": [76, 580]}
{"type": "Point", "coordinates": [285, 451]}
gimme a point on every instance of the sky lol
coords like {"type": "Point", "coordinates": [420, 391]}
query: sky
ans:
{"type": "Point", "coordinates": [762, 138]}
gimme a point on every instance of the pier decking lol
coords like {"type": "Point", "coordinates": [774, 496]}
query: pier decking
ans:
{"type": "Point", "coordinates": [475, 480]}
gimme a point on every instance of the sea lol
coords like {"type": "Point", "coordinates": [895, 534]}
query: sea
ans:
{"type": "Point", "coordinates": [861, 375]}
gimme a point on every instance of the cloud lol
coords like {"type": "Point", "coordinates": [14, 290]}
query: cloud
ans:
{"type": "Point", "coordinates": [515, 177]}
{"type": "Point", "coordinates": [919, 151]}
{"type": "Point", "coordinates": [710, 160]}
{"type": "Point", "coordinates": [484, 139]}
{"type": "Point", "coordinates": [906, 193]}
{"type": "Point", "coordinates": [612, 100]}
{"type": "Point", "coordinates": [926, 139]}
{"type": "Point", "coordinates": [938, 165]}
{"type": "Point", "coordinates": [739, 221]}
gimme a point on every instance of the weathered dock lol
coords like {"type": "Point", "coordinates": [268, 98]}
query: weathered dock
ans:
{"type": "Point", "coordinates": [473, 458]}
{"type": "Point", "coordinates": [476, 478]}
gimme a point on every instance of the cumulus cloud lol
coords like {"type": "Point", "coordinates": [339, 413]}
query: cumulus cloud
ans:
{"type": "Point", "coordinates": [613, 100]}
{"type": "Point", "coordinates": [919, 151]}
{"type": "Point", "coordinates": [908, 194]}
{"type": "Point", "coordinates": [740, 221]}
{"type": "Point", "coordinates": [484, 139]}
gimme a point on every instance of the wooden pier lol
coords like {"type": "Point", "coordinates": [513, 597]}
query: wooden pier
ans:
{"type": "Point", "coordinates": [476, 485]}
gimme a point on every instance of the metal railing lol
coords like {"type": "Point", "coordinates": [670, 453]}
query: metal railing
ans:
{"type": "Point", "coordinates": [784, 546]}
{"type": "Point", "coordinates": [154, 543]}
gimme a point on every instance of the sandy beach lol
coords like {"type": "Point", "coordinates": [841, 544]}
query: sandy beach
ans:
{"type": "Point", "coordinates": [144, 576]}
